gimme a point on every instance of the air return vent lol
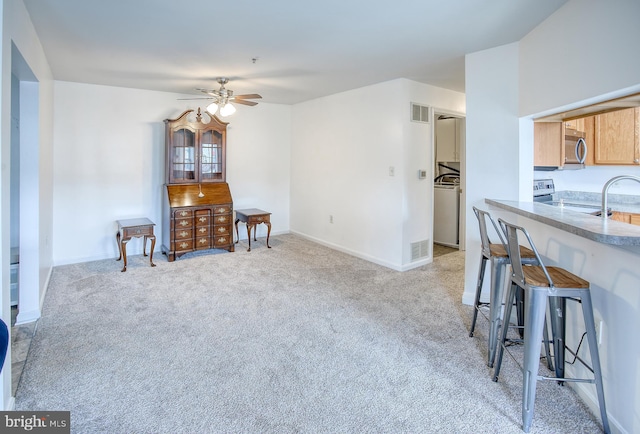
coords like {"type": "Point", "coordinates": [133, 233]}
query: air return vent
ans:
{"type": "Point", "coordinates": [419, 249]}
{"type": "Point", "coordinates": [419, 113]}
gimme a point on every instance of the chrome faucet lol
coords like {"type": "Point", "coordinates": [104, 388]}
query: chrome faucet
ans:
{"type": "Point", "coordinates": [605, 190]}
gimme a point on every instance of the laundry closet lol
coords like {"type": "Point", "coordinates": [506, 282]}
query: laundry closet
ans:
{"type": "Point", "coordinates": [449, 138]}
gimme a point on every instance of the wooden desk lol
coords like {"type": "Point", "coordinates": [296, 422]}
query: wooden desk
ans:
{"type": "Point", "coordinates": [132, 228]}
{"type": "Point", "coordinates": [253, 217]}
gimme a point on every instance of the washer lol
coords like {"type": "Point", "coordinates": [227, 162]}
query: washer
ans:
{"type": "Point", "coordinates": [446, 214]}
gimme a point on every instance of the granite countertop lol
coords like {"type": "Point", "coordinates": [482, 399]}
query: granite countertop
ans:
{"type": "Point", "coordinates": [601, 230]}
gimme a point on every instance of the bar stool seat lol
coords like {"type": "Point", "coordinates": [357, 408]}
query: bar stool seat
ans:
{"type": "Point", "coordinates": [497, 255]}
{"type": "Point", "coordinates": [544, 285]}
{"type": "Point", "coordinates": [562, 278]}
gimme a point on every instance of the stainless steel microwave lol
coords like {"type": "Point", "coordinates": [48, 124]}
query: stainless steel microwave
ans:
{"type": "Point", "coordinates": [575, 149]}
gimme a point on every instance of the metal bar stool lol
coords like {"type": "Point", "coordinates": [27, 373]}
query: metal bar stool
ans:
{"type": "Point", "coordinates": [540, 284]}
{"type": "Point", "coordinates": [497, 255]}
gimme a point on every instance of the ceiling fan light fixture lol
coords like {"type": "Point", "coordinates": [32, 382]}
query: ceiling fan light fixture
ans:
{"type": "Point", "coordinates": [227, 109]}
{"type": "Point", "coordinates": [211, 108]}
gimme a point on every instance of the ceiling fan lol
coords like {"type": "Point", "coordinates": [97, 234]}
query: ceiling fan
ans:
{"type": "Point", "coordinates": [223, 97]}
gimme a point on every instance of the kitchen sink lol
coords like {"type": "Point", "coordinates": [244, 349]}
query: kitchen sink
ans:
{"type": "Point", "coordinates": [578, 207]}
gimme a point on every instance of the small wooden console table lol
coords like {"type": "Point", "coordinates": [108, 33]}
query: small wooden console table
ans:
{"type": "Point", "coordinates": [253, 217]}
{"type": "Point", "coordinates": [132, 228]}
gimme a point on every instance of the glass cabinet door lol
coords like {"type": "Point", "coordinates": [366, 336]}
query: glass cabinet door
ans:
{"type": "Point", "coordinates": [183, 164]}
{"type": "Point", "coordinates": [195, 151]}
{"type": "Point", "coordinates": [211, 156]}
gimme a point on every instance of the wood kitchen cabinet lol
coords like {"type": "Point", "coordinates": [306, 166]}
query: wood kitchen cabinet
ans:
{"type": "Point", "coordinates": [198, 208]}
{"type": "Point", "coordinates": [617, 137]}
{"type": "Point", "coordinates": [548, 140]}
{"type": "Point", "coordinates": [576, 124]}
{"type": "Point", "coordinates": [626, 217]}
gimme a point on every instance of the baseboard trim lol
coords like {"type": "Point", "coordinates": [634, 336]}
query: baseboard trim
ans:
{"type": "Point", "coordinates": [360, 255]}
{"type": "Point", "coordinates": [28, 316]}
{"type": "Point", "coordinates": [46, 287]}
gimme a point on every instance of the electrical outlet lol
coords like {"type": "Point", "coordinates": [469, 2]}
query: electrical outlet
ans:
{"type": "Point", "coordinates": [392, 171]}
{"type": "Point", "coordinates": [330, 219]}
{"type": "Point", "coordinates": [599, 327]}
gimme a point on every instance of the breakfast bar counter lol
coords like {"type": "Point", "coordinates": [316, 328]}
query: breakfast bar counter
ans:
{"type": "Point", "coordinates": [588, 226]}
{"type": "Point", "coordinates": [605, 253]}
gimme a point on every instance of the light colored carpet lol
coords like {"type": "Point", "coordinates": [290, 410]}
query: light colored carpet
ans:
{"type": "Point", "coordinates": [297, 338]}
{"type": "Point", "coordinates": [439, 250]}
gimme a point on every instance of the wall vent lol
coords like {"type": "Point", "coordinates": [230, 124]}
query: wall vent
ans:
{"type": "Point", "coordinates": [419, 113]}
{"type": "Point", "coordinates": [420, 249]}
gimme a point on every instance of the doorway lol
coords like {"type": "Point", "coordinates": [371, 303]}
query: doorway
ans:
{"type": "Point", "coordinates": [449, 166]}
{"type": "Point", "coordinates": [24, 211]}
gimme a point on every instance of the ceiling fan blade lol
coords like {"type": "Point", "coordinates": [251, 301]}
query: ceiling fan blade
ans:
{"type": "Point", "coordinates": [243, 102]}
{"type": "Point", "coordinates": [211, 92]}
{"type": "Point", "coordinates": [248, 96]}
{"type": "Point", "coordinates": [188, 99]}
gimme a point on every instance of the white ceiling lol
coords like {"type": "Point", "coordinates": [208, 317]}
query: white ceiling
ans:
{"type": "Point", "coordinates": [304, 49]}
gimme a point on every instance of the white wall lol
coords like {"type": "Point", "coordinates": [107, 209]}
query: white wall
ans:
{"type": "Point", "coordinates": [419, 155]}
{"type": "Point", "coordinates": [109, 164]}
{"type": "Point", "coordinates": [343, 147]}
{"type": "Point", "coordinates": [592, 179]}
{"type": "Point", "coordinates": [586, 49]}
{"type": "Point", "coordinates": [492, 152]}
{"type": "Point", "coordinates": [599, 40]}
{"type": "Point", "coordinates": [18, 30]}
{"type": "Point", "coordinates": [15, 162]}
{"type": "Point", "coordinates": [259, 162]}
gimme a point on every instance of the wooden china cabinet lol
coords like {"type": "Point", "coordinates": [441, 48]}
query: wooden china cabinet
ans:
{"type": "Point", "coordinates": [197, 209]}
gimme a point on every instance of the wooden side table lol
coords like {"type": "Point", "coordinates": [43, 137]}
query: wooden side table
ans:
{"type": "Point", "coordinates": [132, 228]}
{"type": "Point", "coordinates": [253, 217]}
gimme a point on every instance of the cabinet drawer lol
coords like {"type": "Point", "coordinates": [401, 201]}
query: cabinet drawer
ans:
{"type": "Point", "coordinates": [182, 213]}
{"type": "Point", "coordinates": [181, 234]}
{"type": "Point", "coordinates": [222, 209]}
{"type": "Point", "coordinates": [137, 231]}
{"type": "Point", "coordinates": [623, 217]}
{"type": "Point", "coordinates": [183, 245]}
{"type": "Point", "coordinates": [203, 243]}
{"type": "Point", "coordinates": [222, 219]}
{"type": "Point", "coordinates": [184, 223]}
{"type": "Point", "coordinates": [222, 230]}
{"type": "Point", "coordinates": [259, 219]}
{"type": "Point", "coordinates": [202, 231]}
{"type": "Point", "coordinates": [222, 240]}
{"type": "Point", "coordinates": [203, 220]}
